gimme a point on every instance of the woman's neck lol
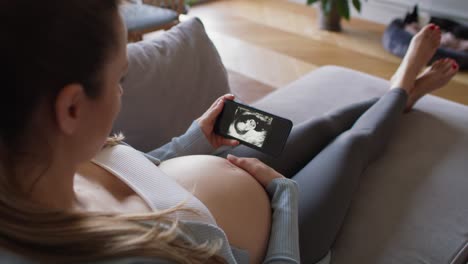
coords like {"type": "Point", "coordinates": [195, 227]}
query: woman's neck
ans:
{"type": "Point", "coordinates": [50, 185]}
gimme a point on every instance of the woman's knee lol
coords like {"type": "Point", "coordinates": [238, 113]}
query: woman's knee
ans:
{"type": "Point", "coordinates": [363, 141]}
{"type": "Point", "coordinates": [355, 137]}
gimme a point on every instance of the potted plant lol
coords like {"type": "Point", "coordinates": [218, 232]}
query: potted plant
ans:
{"type": "Point", "coordinates": [331, 12]}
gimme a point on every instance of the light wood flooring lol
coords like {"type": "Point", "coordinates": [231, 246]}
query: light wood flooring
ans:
{"type": "Point", "coordinates": [266, 44]}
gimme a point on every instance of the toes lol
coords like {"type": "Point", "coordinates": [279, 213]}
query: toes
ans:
{"type": "Point", "coordinates": [430, 33]}
{"type": "Point", "coordinates": [455, 66]}
{"type": "Point", "coordinates": [449, 67]}
{"type": "Point", "coordinates": [448, 63]}
{"type": "Point", "coordinates": [431, 28]}
{"type": "Point", "coordinates": [436, 36]}
{"type": "Point", "coordinates": [438, 64]}
{"type": "Point", "coordinates": [425, 32]}
{"type": "Point", "coordinates": [442, 65]}
{"type": "Point", "coordinates": [434, 32]}
{"type": "Point", "coordinates": [427, 29]}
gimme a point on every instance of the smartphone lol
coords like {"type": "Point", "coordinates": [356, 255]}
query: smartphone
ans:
{"type": "Point", "coordinates": [254, 128]}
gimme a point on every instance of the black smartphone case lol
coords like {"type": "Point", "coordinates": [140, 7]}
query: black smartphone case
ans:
{"type": "Point", "coordinates": [274, 143]}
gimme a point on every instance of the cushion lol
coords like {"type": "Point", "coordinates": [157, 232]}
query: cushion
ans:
{"type": "Point", "coordinates": [411, 206]}
{"type": "Point", "coordinates": [141, 16]}
{"type": "Point", "coordinates": [172, 80]}
{"type": "Point", "coordinates": [396, 40]}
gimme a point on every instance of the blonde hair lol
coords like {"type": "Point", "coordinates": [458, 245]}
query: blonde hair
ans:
{"type": "Point", "coordinates": [54, 236]}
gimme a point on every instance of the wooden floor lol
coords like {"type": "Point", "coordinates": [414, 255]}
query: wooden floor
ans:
{"type": "Point", "coordinates": [266, 44]}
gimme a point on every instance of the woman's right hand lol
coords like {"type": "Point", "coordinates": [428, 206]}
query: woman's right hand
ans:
{"type": "Point", "coordinates": [263, 173]}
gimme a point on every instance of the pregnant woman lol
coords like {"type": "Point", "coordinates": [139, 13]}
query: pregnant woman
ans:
{"type": "Point", "coordinates": [69, 194]}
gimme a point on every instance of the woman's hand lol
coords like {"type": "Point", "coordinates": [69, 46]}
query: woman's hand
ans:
{"type": "Point", "coordinates": [207, 122]}
{"type": "Point", "coordinates": [263, 173]}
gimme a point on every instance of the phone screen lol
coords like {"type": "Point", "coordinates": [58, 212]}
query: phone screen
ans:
{"type": "Point", "coordinates": [250, 126]}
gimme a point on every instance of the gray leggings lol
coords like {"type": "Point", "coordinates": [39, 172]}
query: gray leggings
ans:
{"type": "Point", "coordinates": [326, 156]}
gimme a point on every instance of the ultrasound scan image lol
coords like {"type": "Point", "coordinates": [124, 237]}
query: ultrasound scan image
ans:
{"type": "Point", "coordinates": [250, 126]}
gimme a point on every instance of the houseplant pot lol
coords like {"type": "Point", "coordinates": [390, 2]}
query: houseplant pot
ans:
{"type": "Point", "coordinates": [331, 12]}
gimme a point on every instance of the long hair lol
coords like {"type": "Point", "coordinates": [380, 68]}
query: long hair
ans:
{"type": "Point", "coordinates": [46, 45]}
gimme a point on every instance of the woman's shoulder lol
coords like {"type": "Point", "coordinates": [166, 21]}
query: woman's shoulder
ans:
{"type": "Point", "coordinates": [128, 149]}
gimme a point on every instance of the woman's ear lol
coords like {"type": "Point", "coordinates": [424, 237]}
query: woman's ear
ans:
{"type": "Point", "coordinates": [69, 106]}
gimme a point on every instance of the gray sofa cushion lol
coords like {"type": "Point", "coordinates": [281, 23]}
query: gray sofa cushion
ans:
{"type": "Point", "coordinates": [411, 206]}
{"type": "Point", "coordinates": [172, 80]}
{"type": "Point", "coordinates": [141, 16]}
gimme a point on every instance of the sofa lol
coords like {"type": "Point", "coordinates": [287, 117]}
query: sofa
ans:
{"type": "Point", "coordinates": [412, 203]}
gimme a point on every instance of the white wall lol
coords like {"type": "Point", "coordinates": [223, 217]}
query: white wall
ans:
{"type": "Point", "coordinates": [384, 11]}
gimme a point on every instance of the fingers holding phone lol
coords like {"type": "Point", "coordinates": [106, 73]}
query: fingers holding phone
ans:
{"type": "Point", "coordinates": [263, 173]}
{"type": "Point", "coordinates": [208, 119]}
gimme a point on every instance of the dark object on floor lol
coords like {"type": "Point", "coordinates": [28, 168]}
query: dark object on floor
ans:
{"type": "Point", "coordinates": [412, 17]}
{"type": "Point", "coordinates": [396, 40]}
{"type": "Point", "coordinates": [459, 30]}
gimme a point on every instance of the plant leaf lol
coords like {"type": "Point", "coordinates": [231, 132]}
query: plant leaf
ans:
{"type": "Point", "coordinates": [343, 8]}
{"type": "Point", "coordinates": [309, 2]}
{"type": "Point", "coordinates": [327, 6]}
{"type": "Point", "coordinates": [357, 5]}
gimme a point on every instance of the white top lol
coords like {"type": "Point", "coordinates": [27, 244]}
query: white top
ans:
{"type": "Point", "coordinates": [155, 187]}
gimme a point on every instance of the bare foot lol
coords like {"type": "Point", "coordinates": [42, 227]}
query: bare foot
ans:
{"type": "Point", "coordinates": [435, 77]}
{"type": "Point", "coordinates": [420, 51]}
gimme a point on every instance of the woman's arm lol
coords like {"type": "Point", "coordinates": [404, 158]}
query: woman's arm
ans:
{"type": "Point", "coordinates": [283, 246]}
{"type": "Point", "coordinates": [200, 138]}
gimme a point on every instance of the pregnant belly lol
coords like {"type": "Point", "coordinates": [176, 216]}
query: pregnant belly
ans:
{"type": "Point", "coordinates": [236, 200]}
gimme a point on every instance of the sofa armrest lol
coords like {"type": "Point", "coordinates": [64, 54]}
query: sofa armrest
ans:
{"type": "Point", "coordinates": [172, 80]}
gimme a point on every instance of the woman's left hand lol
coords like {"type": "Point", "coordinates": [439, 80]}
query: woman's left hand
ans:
{"type": "Point", "coordinates": [207, 122]}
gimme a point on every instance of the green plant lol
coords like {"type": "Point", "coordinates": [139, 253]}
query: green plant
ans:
{"type": "Point", "coordinates": [191, 2]}
{"type": "Point", "coordinates": [341, 5]}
